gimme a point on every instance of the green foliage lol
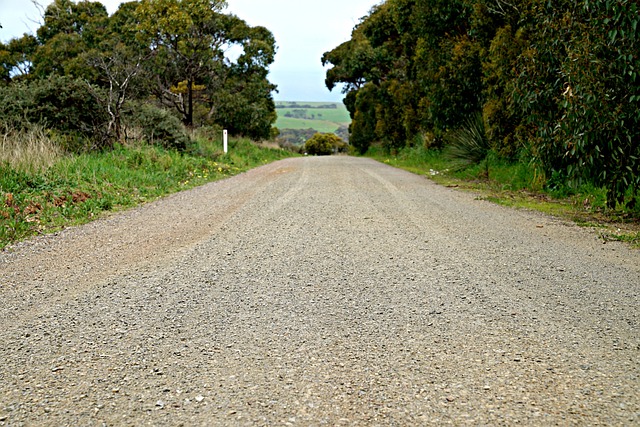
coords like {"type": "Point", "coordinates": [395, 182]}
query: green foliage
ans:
{"type": "Point", "coordinates": [468, 145]}
{"type": "Point", "coordinates": [246, 107]}
{"type": "Point", "coordinates": [579, 86]}
{"type": "Point", "coordinates": [70, 29]}
{"type": "Point", "coordinates": [600, 126]}
{"type": "Point", "coordinates": [64, 105]}
{"type": "Point", "coordinates": [188, 39]}
{"type": "Point", "coordinates": [556, 82]}
{"type": "Point", "coordinates": [324, 144]}
{"type": "Point", "coordinates": [15, 58]}
{"type": "Point", "coordinates": [363, 125]}
{"type": "Point", "coordinates": [160, 127]}
{"type": "Point", "coordinates": [168, 51]}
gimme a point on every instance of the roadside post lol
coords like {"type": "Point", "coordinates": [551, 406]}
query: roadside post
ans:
{"type": "Point", "coordinates": [225, 141]}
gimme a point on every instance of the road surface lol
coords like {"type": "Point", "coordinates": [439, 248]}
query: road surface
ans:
{"type": "Point", "coordinates": [320, 291]}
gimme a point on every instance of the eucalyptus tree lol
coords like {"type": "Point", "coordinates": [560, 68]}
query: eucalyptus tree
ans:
{"type": "Point", "coordinates": [188, 39]}
{"type": "Point", "coordinates": [15, 58]}
{"type": "Point", "coordinates": [120, 59]}
{"type": "Point", "coordinates": [242, 101]}
{"type": "Point", "coordinates": [68, 32]}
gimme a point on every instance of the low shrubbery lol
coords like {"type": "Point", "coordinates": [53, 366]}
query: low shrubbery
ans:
{"type": "Point", "coordinates": [160, 127]}
{"type": "Point", "coordinates": [324, 144]}
{"type": "Point", "coordinates": [66, 107]}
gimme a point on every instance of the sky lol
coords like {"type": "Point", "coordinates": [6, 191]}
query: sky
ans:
{"type": "Point", "coordinates": [304, 30]}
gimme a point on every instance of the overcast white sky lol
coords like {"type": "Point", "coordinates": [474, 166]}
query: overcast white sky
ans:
{"type": "Point", "coordinates": [304, 30]}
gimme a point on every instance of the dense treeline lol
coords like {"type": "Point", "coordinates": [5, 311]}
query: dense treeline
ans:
{"type": "Point", "coordinates": [89, 77]}
{"type": "Point", "coordinates": [554, 83]}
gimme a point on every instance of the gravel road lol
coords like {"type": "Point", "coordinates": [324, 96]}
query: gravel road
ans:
{"type": "Point", "coordinates": [320, 291]}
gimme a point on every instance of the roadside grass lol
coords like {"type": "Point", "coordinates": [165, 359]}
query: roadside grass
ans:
{"type": "Point", "coordinates": [73, 190]}
{"type": "Point", "coordinates": [521, 186]}
{"type": "Point", "coordinates": [29, 150]}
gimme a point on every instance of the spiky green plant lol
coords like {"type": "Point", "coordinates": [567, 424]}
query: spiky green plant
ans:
{"type": "Point", "coordinates": [468, 145]}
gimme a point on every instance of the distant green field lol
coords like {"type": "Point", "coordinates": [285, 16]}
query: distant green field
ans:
{"type": "Point", "coordinates": [319, 125]}
{"type": "Point", "coordinates": [324, 120]}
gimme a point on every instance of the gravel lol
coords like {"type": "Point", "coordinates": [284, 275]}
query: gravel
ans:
{"type": "Point", "coordinates": [320, 291]}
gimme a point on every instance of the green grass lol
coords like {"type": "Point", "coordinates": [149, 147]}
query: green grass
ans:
{"type": "Point", "coordinates": [520, 185]}
{"type": "Point", "coordinates": [76, 189]}
{"type": "Point", "coordinates": [318, 125]}
{"type": "Point", "coordinates": [326, 120]}
{"type": "Point", "coordinates": [297, 104]}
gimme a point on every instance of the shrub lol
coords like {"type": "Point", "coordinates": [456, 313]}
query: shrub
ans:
{"type": "Point", "coordinates": [64, 105]}
{"type": "Point", "coordinates": [160, 127]}
{"type": "Point", "coordinates": [468, 145]}
{"type": "Point", "coordinates": [324, 144]}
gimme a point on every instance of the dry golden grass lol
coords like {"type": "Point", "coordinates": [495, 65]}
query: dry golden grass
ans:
{"type": "Point", "coordinates": [30, 151]}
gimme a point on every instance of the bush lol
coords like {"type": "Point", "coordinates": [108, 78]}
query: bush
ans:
{"type": "Point", "coordinates": [468, 145]}
{"type": "Point", "coordinates": [64, 105]}
{"type": "Point", "coordinates": [324, 144]}
{"type": "Point", "coordinates": [160, 127]}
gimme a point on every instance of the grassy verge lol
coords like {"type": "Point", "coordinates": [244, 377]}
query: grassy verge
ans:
{"type": "Point", "coordinates": [520, 186]}
{"type": "Point", "coordinates": [72, 190]}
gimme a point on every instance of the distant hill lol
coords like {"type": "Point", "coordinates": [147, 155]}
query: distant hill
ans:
{"type": "Point", "coordinates": [298, 121]}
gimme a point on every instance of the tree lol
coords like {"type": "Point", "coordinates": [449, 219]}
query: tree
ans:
{"type": "Point", "coordinates": [69, 31]}
{"type": "Point", "coordinates": [423, 67]}
{"type": "Point", "coordinates": [556, 82]}
{"type": "Point", "coordinates": [187, 38]}
{"type": "Point", "coordinates": [243, 104]}
{"type": "Point", "coordinates": [120, 67]}
{"type": "Point", "coordinates": [580, 82]}
{"type": "Point", "coordinates": [15, 57]}
{"type": "Point", "coordinates": [351, 63]}
{"type": "Point", "coordinates": [121, 59]}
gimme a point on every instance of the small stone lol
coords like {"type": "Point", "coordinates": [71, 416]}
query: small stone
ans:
{"type": "Point", "coordinates": [199, 398]}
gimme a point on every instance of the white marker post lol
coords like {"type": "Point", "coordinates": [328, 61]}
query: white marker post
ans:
{"type": "Point", "coordinates": [225, 141]}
